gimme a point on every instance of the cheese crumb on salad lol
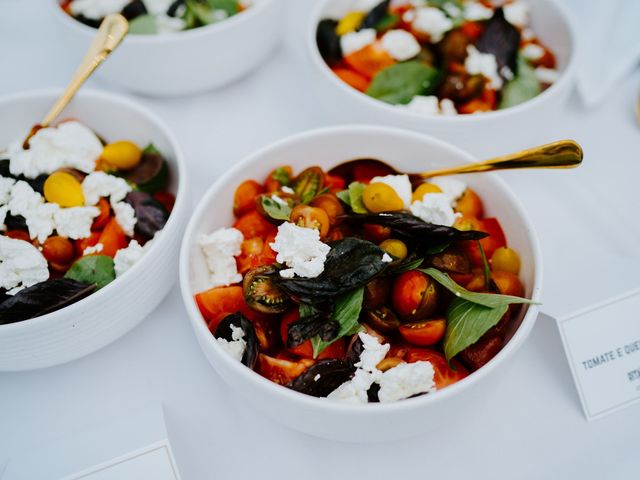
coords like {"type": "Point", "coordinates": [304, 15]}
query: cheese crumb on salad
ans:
{"type": "Point", "coordinates": [516, 13]}
{"type": "Point", "coordinates": [21, 265]}
{"type": "Point", "coordinates": [434, 208]}
{"type": "Point", "coordinates": [126, 258]}
{"type": "Point", "coordinates": [237, 346]}
{"type": "Point", "coordinates": [125, 216]}
{"type": "Point", "coordinates": [432, 21]}
{"type": "Point", "coordinates": [354, 41]}
{"type": "Point", "coordinates": [484, 64]}
{"type": "Point", "coordinates": [406, 380]}
{"type": "Point", "coordinates": [429, 105]}
{"type": "Point", "coordinates": [301, 250]}
{"type": "Point", "coordinates": [475, 11]}
{"type": "Point", "coordinates": [450, 186]}
{"type": "Point", "coordinates": [400, 183]}
{"type": "Point", "coordinates": [400, 44]}
{"type": "Point", "coordinates": [101, 184]}
{"type": "Point", "coordinates": [219, 249]}
{"type": "Point", "coordinates": [75, 222]}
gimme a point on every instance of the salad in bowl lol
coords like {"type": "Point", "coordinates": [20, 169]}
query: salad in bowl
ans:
{"type": "Point", "coordinates": [320, 286]}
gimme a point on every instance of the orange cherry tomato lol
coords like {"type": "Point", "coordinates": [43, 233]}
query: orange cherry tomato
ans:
{"type": "Point", "coordinates": [281, 370]}
{"type": "Point", "coordinates": [58, 250]}
{"type": "Point", "coordinates": [253, 224]}
{"type": "Point", "coordinates": [470, 204]}
{"type": "Point", "coordinates": [105, 213]}
{"type": "Point", "coordinates": [414, 295]}
{"type": "Point", "coordinates": [490, 244]}
{"type": "Point", "coordinates": [508, 283]}
{"type": "Point", "coordinates": [484, 103]}
{"type": "Point", "coordinates": [370, 60]}
{"type": "Point", "coordinates": [330, 204]}
{"type": "Point", "coordinates": [352, 78]}
{"type": "Point", "coordinates": [112, 238]}
{"type": "Point", "coordinates": [311, 217]}
{"type": "Point", "coordinates": [250, 253]}
{"type": "Point", "coordinates": [473, 30]}
{"type": "Point", "coordinates": [305, 349]}
{"type": "Point", "coordinates": [83, 243]}
{"type": "Point", "coordinates": [444, 374]}
{"type": "Point", "coordinates": [271, 184]}
{"type": "Point", "coordinates": [244, 198]}
{"type": "Point", "coordinates": [424, 333]}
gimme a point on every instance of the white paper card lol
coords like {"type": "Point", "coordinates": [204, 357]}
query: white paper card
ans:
{"type": "Point", "coordinates": [602, 344]}
{"type": "Point", "coordinates": [134, 446]}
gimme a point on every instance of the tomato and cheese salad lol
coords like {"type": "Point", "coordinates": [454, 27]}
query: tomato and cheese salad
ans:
{"type": "Point", "coordinates": [75, 214]}
{"type": "Point", "coordinates": [357, 285]}
{"type": "Point", "coordinates": [438, 58]}
{"type": "Point", "coordinates": [155, 16]}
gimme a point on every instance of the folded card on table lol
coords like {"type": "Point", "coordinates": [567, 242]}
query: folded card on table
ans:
{"type": "Point", "coordinates": [133, 447]}
{"type": "Point", "coordinates": [602, 344]}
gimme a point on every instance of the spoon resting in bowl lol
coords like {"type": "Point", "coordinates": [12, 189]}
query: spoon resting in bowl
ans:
{"type": "Point", "coordinates": [560, 154]}
{"type": "Point", "coordinates": [112, 31]}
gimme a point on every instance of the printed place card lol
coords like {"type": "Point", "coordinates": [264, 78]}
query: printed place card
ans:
{"type": "Point", "coordinates": [602, 344]}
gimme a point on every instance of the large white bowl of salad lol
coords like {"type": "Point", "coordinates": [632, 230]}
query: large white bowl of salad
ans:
{"type": "Point", "coordinates": [177, 47]}
{"type": "Point", "coordinates": [351, 301]}
{"type": "Point", "coordinates": [463, 70]}
{"type": "Point", "coordinates": [91, 214]}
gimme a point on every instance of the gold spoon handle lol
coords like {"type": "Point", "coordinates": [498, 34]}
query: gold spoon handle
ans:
{"type": "Point", "coordinates": [111, 32]}
{"type": "Point", "coordinates": [561, 154]}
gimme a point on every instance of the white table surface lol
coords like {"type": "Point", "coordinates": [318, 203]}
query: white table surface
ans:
{"type": "Point", "coordinates": [533, 426]}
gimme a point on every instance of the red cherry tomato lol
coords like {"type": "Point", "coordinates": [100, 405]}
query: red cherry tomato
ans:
{"type": "Point", "coordinates": [445, 375]}
{"type": "Point", "coordinates": [425, 333]}
{"type": "Point", "coordinates": [414, 295]}
{"type": "Point", "coordinates": [281, 370]}
{"type": "Point", "coordinates": [490, 244]}
{"type": "Point", "coordinates": [253, 224]}
{"type": "Point", "coordinates": [244, 198]}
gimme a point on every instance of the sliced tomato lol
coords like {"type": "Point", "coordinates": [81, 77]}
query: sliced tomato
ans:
{"type": "Point", "coordinates": [253, 224]}
{"type": "Point", "coordinates": [105, 214]}
{"type": "Point", "coordinates": [370, 60]}
{"type": "Point", "coordinates": [112, 238]}
{"type": "Point", "coordinates": [281, 370]}
{"type": "Point", "coordinates": [352, 78]}
{"type": "Point", "coordinates": [445, 375]}
{"type": "Point", "coordinates": [424, 333]}
{"type": "Point", "coordinates": [305, 349]}
{"type": "Point", "coordinates": [217, 303]}
{"type": "Point", "coordinates": [414, 295]}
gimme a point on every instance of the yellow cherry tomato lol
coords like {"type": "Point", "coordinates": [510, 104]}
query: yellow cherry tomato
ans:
{"type": "Point", "coordinates": [380, 197]}
{"type": "Point", "coordinates": [396, 248]}
{"type": "Point", "coordinates": [423, 189]}
{"type": "Point", "coordinates": [349, 22]}
{"type": "Point", "coordinates": [505, 259]}
{"type": "Point", "coordinates": [64, 189]}
{"type": "Point", "coordinates": [121, 155]}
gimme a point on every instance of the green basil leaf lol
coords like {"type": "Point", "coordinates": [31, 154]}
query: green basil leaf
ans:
{"type": "Point", "coordinates": [399, 83]}
{"type": "Point", "coordinates": [92, 269]}
{"type": "Point", "coordinates": [490, 300]}
{"type": "Point", "coordinates": [143, 25]}
{"type": "Point", "coordinates": [281, 175]}
{"type": "Point", "coordinates": [344, 196]}
{"type": "Point", "coordinates": [523, 87]}
{"type": "Point", "coordinates": [346, 312]}
{"type": "Point", "coordinates": [275, 209]}
{"type": "Point", "coordinates": [356, 189]}
{"type": "Point", "coordinates": [467, 323]}
{"type": "Point", "coordinates": [387, 22]}
{"type": "Point", "coordinates": [151, 149]}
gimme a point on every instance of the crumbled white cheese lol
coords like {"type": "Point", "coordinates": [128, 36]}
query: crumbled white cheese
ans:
{"type": "Point", "coordinates": [354, 390]}
{"type": "Point", "coordinates": [75, 222]}
{"type": "Point", "coordinates": [167, 24]}
{"type": "Point", "coordinates": [125, 258]}
{"type": "Point", "coordinates": [400, 183]}
{"type": "Point", "coordinates": [400, 44]}
{"type": "Point", "coordinates": [97, 9]}
{"type": "Point", "coordinates": [353, 41]}
{"type": "Point", "coordinates": [434, 208]}
{"type": "Point", "coordinates": [546, 75]}
{"type": "Point", "coordinates": [39, 217]}
{"type": "Point", "coordinates": [3, 215]}
{"type": "Point", "coordinates": [97, 248]}
{"type": "Point", "coordinates": [450, 186]}
{"type": "Point", "coordinates": [125, 216]}
{"type": "Point", "coordinates": [429, 105]}
{"type": "Point", "coordinates": [279, 200]}
{"type": "Point", "coordinates": [24, 199]}
{"type": "Point", "coordinates": [21, 265]}
{"type": "Point", "coordinates": [386, 258]}
{"type": "Point", "coordinates": [452, 10]}
{"type": "Point", "coordinates": [516, 13]}
{"type": "Point", "coordinates": [157, 7]}
{"type": "Point", "coordinates": [219, 249]}
{"type": "Point", "coordinates": [6, 184]}
{"type": "Point", "coordinates": [69, 145]}
{"type": "Point", "coordinates": [432, 21]}
{"type": "Point", "coordinates": [506, 73]}
{"type": "Point", "coordinates": [288, 190]}
{"type": "Point", "coordinates": [406, 380]}
{"type": "Point", "coordinates": [301, 250]}
{"type": "Point", "coordinates": [101, 184]}
{"type": "Point", "coordinates": [532, 51]}
{"type": "Point", "coordinates": [236, 347]}
{"type": "Point", "coordinates": [484, 64]}
{"type": "Point", "coordinates": [372, 354]}
{"type": "Point", "coordinates": [475, 11]}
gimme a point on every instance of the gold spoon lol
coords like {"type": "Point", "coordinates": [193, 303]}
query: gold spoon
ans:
{"type": "Point", "coordinates": [112, 31]}
{"type": "Point", "coordinates": [560, 154]}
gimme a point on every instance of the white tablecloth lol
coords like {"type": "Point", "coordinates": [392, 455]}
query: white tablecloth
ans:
{"type": "Point", "coordinates": [533, 426]}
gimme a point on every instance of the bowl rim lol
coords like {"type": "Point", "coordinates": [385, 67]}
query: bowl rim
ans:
{"type": "Point", "coordinates": [49, 95]}
{"type": "Point", "coordinates": [195, 33]}
{"type": "Point", "coordinates": [564, 81]}
{"type": "Point", "coordinates": [285, 394]}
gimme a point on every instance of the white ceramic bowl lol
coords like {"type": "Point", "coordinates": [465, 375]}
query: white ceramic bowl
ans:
{"type": "Point", "coordinates": [101, 318]}
{"type": "Point", "coordinates": [185, 62]}
{"type": "Point", "coordinates": [406, 151]}
{"type": "Point", "coordinates": [512, 128]}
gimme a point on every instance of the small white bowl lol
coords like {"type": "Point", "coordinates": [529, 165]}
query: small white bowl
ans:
{"type": "Point", "coordinates": [406, 151]}
{"type": "Point", "coordinates": [186, 62]}
{"type": "Point", "coordinates": [100, 318]}
{"type": "Point", "coordinates": [511, 127]}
